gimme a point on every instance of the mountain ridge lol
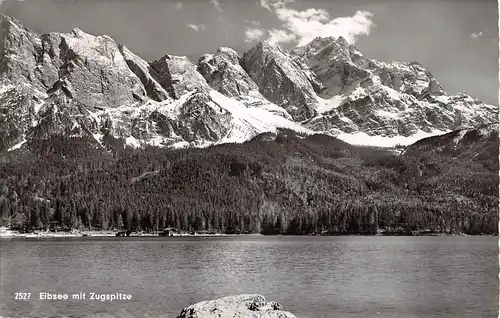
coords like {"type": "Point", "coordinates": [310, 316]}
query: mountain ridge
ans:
{"type": "Point", "coordinates": [90, 85]}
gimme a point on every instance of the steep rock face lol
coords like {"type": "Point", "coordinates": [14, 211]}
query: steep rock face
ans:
{"type": "Point", "coordinates": [193, 120]}
{"type": "Point", "coordinates": [383, 99]}
{"type": "Point", "coordinates": [18, 107]}
{"type": "Point", "coordinates": [198, 119]}
{"type": "Point", "coordinates": [98, 71]}
{"type": "Point", "coordinates": [331, 61]}
{"type": "Point", "coordinates": [281, 80]}
{"type": "Point", "coordinates": [19, 47]}
{"type": "Point", "coordinates": [341, 67]}
{"type": "Point", "coordinates": [48, 62]}
{"type": "Point", "coordinates": [143, 71]}
{"type": "Point", "coordinates": [178, 75]}
{"type": "Point", "coordinates": [224, 73]}
{"type": "Point", "coordinates": [240, 306]}
{"type": "Point", "coordinates": [94, 66]}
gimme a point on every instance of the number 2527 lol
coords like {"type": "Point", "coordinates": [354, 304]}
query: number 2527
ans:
{"type": "Point", "coordinates": [22, 296]}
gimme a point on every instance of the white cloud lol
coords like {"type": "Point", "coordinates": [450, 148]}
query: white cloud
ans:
{"type": "Point", "coordinates": [280, 36]}
{"type": "Point", "coordinates": [177, 5]}
{"type": "Point", "coordinates": [475, 36]}
{"type": "Point", "coordinates": [270, 4]}
{"type": "Point", "coordinates": [265, 4]}
{"type": "Point", "coordinates": [197, 28]}
{"type": "Point", "coordinates": [303, 26]}
{"type": "Point", "coordinates": [252, 35]}
{"type": "Point", "coordinates": [216, 4]}
{"type": "Point", "coordinates": [252, 22]}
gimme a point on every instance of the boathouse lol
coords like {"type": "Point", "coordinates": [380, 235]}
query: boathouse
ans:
{"type": "Point", "coordinates": [169, 231]}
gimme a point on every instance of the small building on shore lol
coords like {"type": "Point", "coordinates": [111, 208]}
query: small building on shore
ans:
{"type": "Point", "coordinates": [169, 231]}
{"type": "Point", "coordinates": [123, 233]}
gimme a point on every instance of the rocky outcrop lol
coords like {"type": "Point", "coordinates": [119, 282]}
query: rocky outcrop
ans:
{"type": "Point", "coordinates": [330, 60]}
{"type": "Point", "coordinates": [178, 75]}
{"type": "Point", "coordinates": [224, 73]}
{"type": "Point", "coordinates": [240, 306]}
{"type": "Point", "coordinates": [198, 119]}
{"type": "Point", "coordinates": [143, 71]}
{"type": "Point", "coordinates": [18, 107]}
{"type": "Point", "coordinates": [281, 80]}
{"type": "Point", "coordinates": [99, 74]}
{"type": "Point", "coordinates": [91, 68]}
{"type": "Point", "coordinates": [19, 48]}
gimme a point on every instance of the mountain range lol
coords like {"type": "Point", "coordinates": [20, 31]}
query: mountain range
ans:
{"type": "Point", "coordinates": [81, 85]}
{"type": "Point", "coordinates": [318, 139]}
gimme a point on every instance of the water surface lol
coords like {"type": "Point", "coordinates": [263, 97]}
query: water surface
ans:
{"type": "Point", "coordinates": [313, 277]}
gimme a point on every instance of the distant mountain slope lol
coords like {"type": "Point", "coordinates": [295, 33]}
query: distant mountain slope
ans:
{"type": "Point", "coordinates": [276, 183]}
{"type": "Point", "coordinates": [480, 145]}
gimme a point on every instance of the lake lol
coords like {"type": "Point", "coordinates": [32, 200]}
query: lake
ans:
{"type": "Point", "coordinates": [313, 277]}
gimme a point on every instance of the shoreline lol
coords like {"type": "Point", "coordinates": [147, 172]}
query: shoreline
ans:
{"type": "Point", "coordinates": [91, 234]}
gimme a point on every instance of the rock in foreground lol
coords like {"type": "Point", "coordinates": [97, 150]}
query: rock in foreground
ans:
{"type": "Point", "coordinates": [239, 306]}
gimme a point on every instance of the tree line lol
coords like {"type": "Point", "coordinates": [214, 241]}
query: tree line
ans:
{"type": "Point", "coordinates": [293, 185]}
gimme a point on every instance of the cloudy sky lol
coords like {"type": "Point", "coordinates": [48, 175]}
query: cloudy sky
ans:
{"type": "Point", "coordinates": [457, 40]}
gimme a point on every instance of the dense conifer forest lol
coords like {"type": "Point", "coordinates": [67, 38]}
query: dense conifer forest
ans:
{"type": "Point", "coordinates": [285, 185]}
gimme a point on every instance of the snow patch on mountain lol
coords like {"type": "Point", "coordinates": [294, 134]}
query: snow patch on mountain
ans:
{"type": "Point", "coordinates": [98, 137]}
{"type": "Point", "coordinates": [326, 105]}
{"type": "Point", "coordinates": [6, 88]}
{"type": "Point", "coordinates": [389, 114]}
{"type": "Point", "coordinates": [133, 142]}
{"type": "Point", "coordinates": [247, 122]}
{"type": "Point", "coordinates": [363, 139]}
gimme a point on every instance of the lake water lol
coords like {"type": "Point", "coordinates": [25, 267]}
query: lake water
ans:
{"type": "Point", "coordinates": [313, 277]}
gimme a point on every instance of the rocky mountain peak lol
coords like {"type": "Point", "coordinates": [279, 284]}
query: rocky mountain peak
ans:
{"type": "Point", "coordinates": [18, 43]}
{"type": "Point", "coordinates": [78, 32]}
{"type": "Point", "coordinates": [97, 70]}
{"type": "Point", "coordinates": [265, 46]}
{"type": "Point", "coordinates": [229, 54]}
{"type": "Point", "coordinates": [281, 80]}
{"type": "Point", "coordinates": [81, 84]}
{"type": "Point", "coordinates": [223, 72]}
{"type": "Point", "coordinates": [11, 22]}
{"type": "Point", "coordinates": [178, 75]}
{"type": "Point", "coordinates": [146, 74]}
{"type": "Point", "coordinates": [336, 48]}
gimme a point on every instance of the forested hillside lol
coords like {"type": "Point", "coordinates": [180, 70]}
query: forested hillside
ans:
{"type": "Point", "coordinates": [289, 185]}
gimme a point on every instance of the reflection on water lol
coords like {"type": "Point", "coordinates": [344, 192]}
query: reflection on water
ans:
{"type": "Point", "coordinates": [310, 276]}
